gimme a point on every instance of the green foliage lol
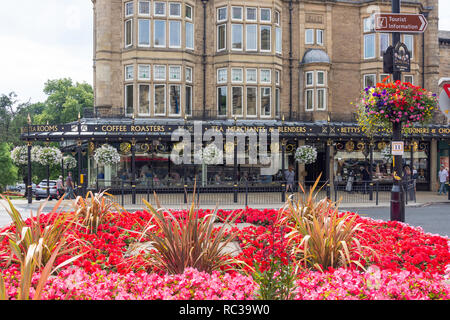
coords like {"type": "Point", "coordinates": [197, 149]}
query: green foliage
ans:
{"type": "Point", "coordinates": [8, 171]}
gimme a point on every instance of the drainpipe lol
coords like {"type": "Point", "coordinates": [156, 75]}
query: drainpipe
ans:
{"type": "Point", "coordinates": [204, 58]}
{"type": "Point", "coordinates": [423, 53]}
{"type": "Point", "coordinates": [290, 60]}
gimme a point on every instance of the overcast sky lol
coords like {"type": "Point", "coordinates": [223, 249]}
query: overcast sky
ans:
{"type": "Point", "coordinates": [50, 39]}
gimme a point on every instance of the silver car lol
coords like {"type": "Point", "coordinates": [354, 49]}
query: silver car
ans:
{"type": "Point", "coordinates": [41, 190]}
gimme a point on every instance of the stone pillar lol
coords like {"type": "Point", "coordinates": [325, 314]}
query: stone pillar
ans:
{"type": "Point", "coordinates": [433, 166]}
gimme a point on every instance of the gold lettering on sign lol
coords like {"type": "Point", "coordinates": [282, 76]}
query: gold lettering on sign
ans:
{"type": "Point", "coordinates": [288, 129]}
{"type": "Point", "coordinates": [44, 128]}
{"type": "Point", "coordinates": [136, 128]}
{"type": "Point", "coordinates": [314, 18]}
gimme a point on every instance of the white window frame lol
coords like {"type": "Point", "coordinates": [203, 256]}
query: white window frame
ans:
{"type": "Point", "coordinates": [260, 15]}
{"type": "Point", "coordinates": [171, 22]}
{"type": "Point", "coordinates": [241, 80]}
{"type": "Point", "coordinates": [277, 77]}
{"type": "Point", "coordinates": [181, 9]}
{"type": "Point", "coordinates": [126, 9]}
{"type": "Point", "coordinates": [225, 35]}
{"type": "Point", "coordinates": [278, 40]}
{"type": "Point", "coordinates": [130, 44]}
{"type": "Point", "coordinates": [192, 35]}
{"type": "Point", "coordinates": [242, 102]}
{"type": "Point", "coordinates": [270, 102]}
{"type": "Point", "coordinates": [246, 102]}
{"type": "Point", "coordinates": [149, 99]}
{"type": "Point", "coordinates": [149, 9]}
{"type": "Point", "coordinates": [306, 100]}
{"type": "Point", "coordinates": [165, 99]}
{"type": "Point", "coordinates": [171, 68]}
{"type": "Point", "coordinates": [256, 75]}
{"type": "Point", "coordinates": [261, 27]}
{"type": "Point", "coordinates": [277, 17]}
{"type": "Point", "coordinates": [149, 33]}
{"type": "Point", "coordinates": [226, 75]}
{"type": "Point", "coordinates": [149, 71]}
{"type": "Point", "coordinates": [232, 13]}
{"type": "Point", "coordinates": [366, 27]}
{"type": "Point", "coordinates": [306, 36]}
{"type": "Point", "coordinates": [409, 76]}
{"type": "Point", "coordinates": [324, 78]}
{"type": "Point", "coordinates": [126, 72]}
{"type": "Point", "coordinates": [277, 98]}
{"type": "Point", "coordinates": [126, 98]}
{"type": "Point", "coordinates": [170, 100]}
{"type": "Point", "coordinates": [165, 34]}
{"type": "Point", "coordinates": [155, 67]}
{"type": "Point", "coordinates": [366, 36]}
{"type": "Point", "coordinates": [324, 90]}
{"type": "Point", "coordinates": [191, 73]}
{"type": "Point", "coordinates": [226, 14]}
{"type": "Point", "coordinates": [367, 76]}
{"type": "Point", "coordinates": [256, 14]}
{"type": "Point", "coordinates": [261, 76]}
{"type": "Point", "coordinates": [242, 36]}
{"type": "Point", "coordinates": [154, 9]}
{"type": "Point", "coordinates": [411, 49]}
{"type": "Point", "coordinates": [192, 12]}
{"type": "Point", "coordinates": [255, 26]}
{"type": "Point", "coordinates": [321, 33]}
{"type": "Point", "coordinates": [217, 101]}
{"type": "Point", "coordinates": [312, 79]}
{"type": "Point", "coordinates": [191, 100]}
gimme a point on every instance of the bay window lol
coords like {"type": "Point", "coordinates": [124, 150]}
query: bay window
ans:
{"type": "Point", "coordinates": [174, 99]}
{"type": "Point", "coordinates": [174, 34]}
{"type": "Point", "coordinates": [236, 36]}
{"type": "Point", "coordinates": [189, 35]}
{"type": "Point", "coordinates": [144, 32]}
{"type": "Point", "coordinates": [265, 101]}
{"type": "Point", "coordinates": [160, 99]}
{"type": "Point", "coordinates": [144, 99]}
{"type": "Point", "coordinates": [128, 33]}
{"type": "Point", "coordinates": [251, 37]}
{"type": "Point", "coordinates": [266, 38]}
{"type": "Point", "coordinates": [221, 37]}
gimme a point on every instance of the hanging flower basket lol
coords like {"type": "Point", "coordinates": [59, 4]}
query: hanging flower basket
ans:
{"type": "Point", "coordinates": [386, 153]}
{"type": "Point", "coordinates": [47, 156]}
{"type": "Point", "coordinates": [306, 154]}
{"type": "Point", "coordinates": [19, 155]}
{"type": "Point", "coordinates": [106, 155]}
{"type": "Point", "coordinates": [389, 103]}
{"type": "Point", "coordinates": [211, 155]}
{"type": "Point", "coordinates": [69, 162]}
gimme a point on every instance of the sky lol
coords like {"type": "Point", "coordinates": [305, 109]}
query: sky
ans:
{"type": "Point", "coordinates": [51, 39]}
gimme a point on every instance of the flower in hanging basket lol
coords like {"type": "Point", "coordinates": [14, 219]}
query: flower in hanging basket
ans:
{"type": "Point", "coordinates": [211, 155]}
{"type": "Point", "coordinates": [399, 102]}
{"type": "Point", "coordinates": [386, 153]}
{"type": "Point", "coordinates": [19, 155]}
{"type": "Point", "coordinates": [106, 155]}
{"type": "Point", "coordinates": [306, 154]}
{"type": "Point", "coordinates": [48, 156]}
{"type": "Point", "coordinates": [69, 162]}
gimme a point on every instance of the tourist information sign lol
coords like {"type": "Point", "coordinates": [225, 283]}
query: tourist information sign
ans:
{"type": "Point", "coordinates": [400, 22]}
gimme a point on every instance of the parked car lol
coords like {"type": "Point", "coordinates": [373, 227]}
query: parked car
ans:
{"type": "Point", "coordinates": [41, 190]}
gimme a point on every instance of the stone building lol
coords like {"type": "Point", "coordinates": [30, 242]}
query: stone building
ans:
{"type": "Point", "coordinates": [292, 65]}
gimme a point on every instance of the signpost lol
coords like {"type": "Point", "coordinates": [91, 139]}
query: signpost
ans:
{"type": "Point", "coordinates": [396, 22]}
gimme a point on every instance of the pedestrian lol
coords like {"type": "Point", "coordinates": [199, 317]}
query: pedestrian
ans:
{"type": "Point", "coordinates": [414, 177]}
{"type": "Point", "coordinates": [69, 186]}
{"type": "Point", "coordinates": [366, 178]}
{"type": "Point", "coordinates": [289, 176]}
{"type": "Point", "coordinates": [60, 187]}
{"type": "Point", "coordinates": [351, 179]}
{"type": "Point", "coordinates": [443, 177]}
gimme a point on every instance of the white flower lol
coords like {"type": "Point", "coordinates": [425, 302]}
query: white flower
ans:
{"type": "Point", "coordinates": [211, 155]}
{"type": "Point", "coordinates": [306, 154]}
{"type": "Point", "coordinates": [69, 162]}
{"type": "Point", "coordinates": [19, 155]}
{"type": "Point", "coordinates": [46, 156]}
{"type": "Point", "coordinates": [106, 155]}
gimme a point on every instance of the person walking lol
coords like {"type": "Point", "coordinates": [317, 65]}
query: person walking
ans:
{"type": "Point", "coordinates": [69, 187]}
{"type": "Point", "coordinates": [443, 177]}
{"type": "Point", "coordinates": [289, 176]}
{"type": "Point", "coordinates": [60, 187]}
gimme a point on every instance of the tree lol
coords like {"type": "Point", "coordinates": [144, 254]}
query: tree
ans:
{"type": "Point", "coordinates": [8, 172]}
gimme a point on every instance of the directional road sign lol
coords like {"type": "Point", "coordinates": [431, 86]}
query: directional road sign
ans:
{"type": "Point", "coordinates": [400, 22]}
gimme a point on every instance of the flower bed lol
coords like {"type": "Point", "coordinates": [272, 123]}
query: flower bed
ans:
{"type": "Point", "coordinates": [406, 263]}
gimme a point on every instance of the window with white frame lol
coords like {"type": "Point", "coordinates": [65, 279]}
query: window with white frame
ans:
{"type": "Point", "coordinates": [409, 78]}
{"type": "Point", "coordinates": [266, 38]}
{"type": "Point", "coordinates": [188, 100]}
{"type": "Point", "coordinates": [175, 10]}
{"type": "Point", "coordinates": [370, 80]}
{"type": "Point", "coordinates": [277, 17]}
{"type": "Point", "coordinates": [368, 24]}
{"type": "Point", "coordinates": [174, 34]}
{"type": "Point", "coordinates": [159, 34]}
{"type": "Point", "coordinates": [144, 99]}
{"type": "Point", "coordinates": [319, 37]}
{"type": "Point", "coordinates": [222, 75]}
{"type": "Point", "coordinates": [277, 102]}
{"type": "Point", "coordinates": [320, 78]}
{"type": "Point", "coordinates": [129, 8]}
{"type": "Point", "coordinates": [316, 90]}
{"type": "Point", "coordinates": [309, 36]}
{"type": "Point", "coordinates": [144, 72]}
{"type": "Point", "coordinates": [278, 40]}
{"type": "Point", "coordinates": [369, 46]}
{"type": "Point", "coordinates": [222, 100]}
{"type": "Point", "coordinates": [265, 76]}
{"type": "Point", "coordinates": [266, 101]}
{"type": "Point", "coordinates": [129, 99]}
{"type": "Point", "coordinates": [236, 13]}
{"type": "Point", "coordinates": [189, 35]}
{"type": "Point", "coordinates": [188, 12]}
{"type": "Point", "coordinates": [144, 32]}
{"type": "Point", "coordinates": [237, 101]}
{"type": "Point", "coordinates": [188, 74]}
{"type": "Point", "coordinates": [251, 101]}
{"type": "Point", "coordinates": [174, 99]}
{"type": "Point", "coordinates": [265, 15]}
{"type": "Point", "coordinates": [174, 73]}
{"type": "Point", "coordinates": [309, 78]}
{"type": "Point", "coordinates": [159, 73]}
{"type": "Point", "coordinates": [384, 76]}
{"type": "Point", "coordinates": [277, 77]}
{"type": "Point", "coordinates": [408, 40]}
{"type": "Point", "coordinates": [384, 43]}
{"type": "Point", "coordinates": [237, 37]}
{"type": "Point", "coordinates": [221, 37]}
{"type": "Point", "coordinates": [221, 14]}
{"type": "Point", "coordinates": [251, 37]}
{"type": "Point", "coordinates": [321, 99]}
{"type": "Point", "coordinates": [236, 75]}
{"type": "Point", "coordinates": [251, 75]}
{"type": "Point", "coordinates": [159, 99]}
{"type": "Point", "coordinates": [251, 14]}
{"type": "Point", "coordinates": [128, 33]}
{"type": "Point", "coordinates": [309, 99]}
{"type": "Point", "coordinates": [159, 9]}
{"type": "Point", "coordinates": [129, 72]}
{"type": "Point", "coordinates": [144, 8]}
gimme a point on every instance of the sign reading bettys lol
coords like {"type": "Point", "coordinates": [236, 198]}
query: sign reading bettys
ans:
{"type": "Point", "coordinates": [289, 130]}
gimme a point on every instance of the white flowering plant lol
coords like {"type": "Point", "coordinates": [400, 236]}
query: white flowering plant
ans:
{"type": "Point", "coordinates": [211, 155]}
{"type": "Point", "coordinates": [47, 156]}
{"type": "Point", "coordinates": [106, 155]}
{"type": "Point", "coordinates": [306, 154]}
{"type": "Point", "coordinates": [386, 153]}
{"type": "Point", "coordinates": [19, 155]}
{"type": "Point", "coordinates": [69, 162]}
